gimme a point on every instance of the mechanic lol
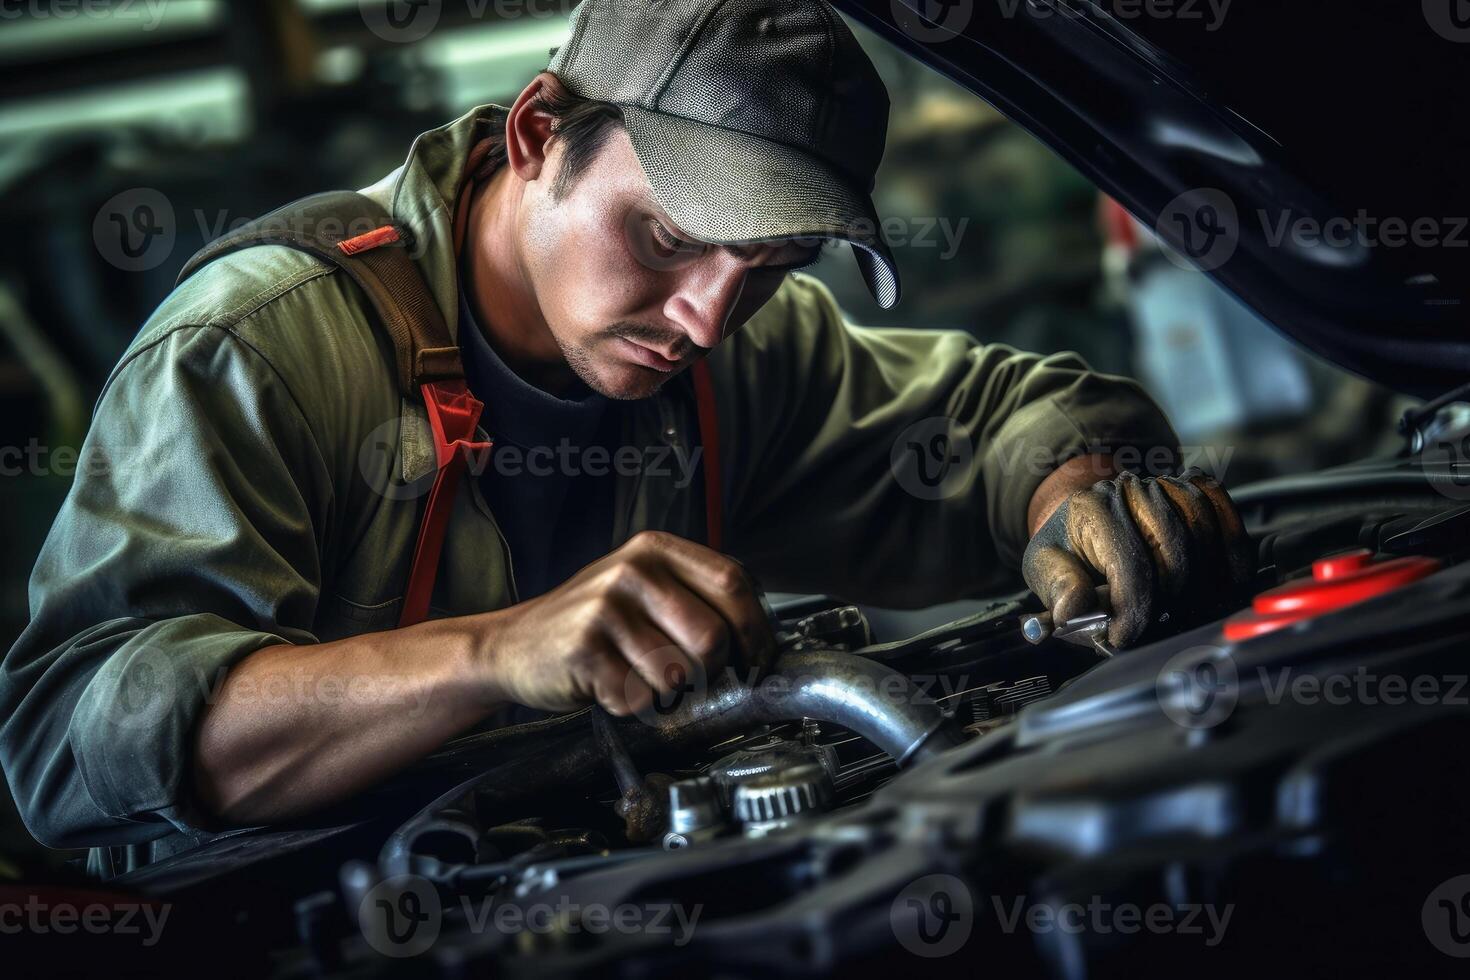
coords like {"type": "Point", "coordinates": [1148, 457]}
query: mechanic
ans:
{"type": "Point", "coordinates": [640, 207]}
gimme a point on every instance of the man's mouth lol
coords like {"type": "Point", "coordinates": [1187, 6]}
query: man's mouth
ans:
{"type": "Point", "coordinates": [647, 356]}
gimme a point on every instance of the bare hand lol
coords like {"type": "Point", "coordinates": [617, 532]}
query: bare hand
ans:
{"type": "Point", "coordinates": [654, 615]}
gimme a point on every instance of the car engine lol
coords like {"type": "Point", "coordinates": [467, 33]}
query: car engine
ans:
{"type": "Point", "coordinates": [957, 797]}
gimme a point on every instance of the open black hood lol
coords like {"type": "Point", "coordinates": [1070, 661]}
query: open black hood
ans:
{"type": "Point", "coordinates": [1290, 114]}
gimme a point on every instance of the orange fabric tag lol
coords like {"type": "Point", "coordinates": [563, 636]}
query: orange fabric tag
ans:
{"type": "Point", "coordinates": [385, 235]}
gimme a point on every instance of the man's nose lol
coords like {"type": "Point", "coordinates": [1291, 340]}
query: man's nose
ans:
{"type": "Point", "coordinates": [705, 299]}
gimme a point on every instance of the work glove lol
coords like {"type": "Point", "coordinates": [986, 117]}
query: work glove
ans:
{"type": "Point", "coordinates": [1170, 544]}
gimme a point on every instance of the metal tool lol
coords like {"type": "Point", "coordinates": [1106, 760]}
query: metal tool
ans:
{"type": "Point", "coordinates": [1089, 629]}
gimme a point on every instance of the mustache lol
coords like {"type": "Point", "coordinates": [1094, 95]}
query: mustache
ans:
{"type": "Point", "coordinates": [677, 343]}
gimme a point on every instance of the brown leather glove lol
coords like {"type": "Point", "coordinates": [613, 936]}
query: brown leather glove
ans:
{"type": "Point", "coordinates": [1172, 544]}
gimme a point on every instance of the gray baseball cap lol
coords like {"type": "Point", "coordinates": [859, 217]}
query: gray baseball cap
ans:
{"type": "Point", "coordinates": [753, 119]}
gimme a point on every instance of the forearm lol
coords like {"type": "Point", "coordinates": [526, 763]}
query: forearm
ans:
{"type": "Point", "coordinates": [1075, 474]}
{"type": "Point", "coordinates": [292, 729]}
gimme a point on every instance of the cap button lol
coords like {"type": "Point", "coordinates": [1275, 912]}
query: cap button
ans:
{"type": "Point", "coordinates": [1336, 566]}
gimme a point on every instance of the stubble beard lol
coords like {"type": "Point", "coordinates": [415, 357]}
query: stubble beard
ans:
{"type": "Point", "coordinates": [584, 364]}
{"type": "Point", "coordinates": [583, 360]}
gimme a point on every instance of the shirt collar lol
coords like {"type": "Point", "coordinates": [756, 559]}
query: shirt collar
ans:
{"type": "Point", "coordinates": [517, 411]}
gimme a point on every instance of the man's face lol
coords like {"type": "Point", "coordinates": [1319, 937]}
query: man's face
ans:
{"type": "Point", "coordinates": [630, 299]}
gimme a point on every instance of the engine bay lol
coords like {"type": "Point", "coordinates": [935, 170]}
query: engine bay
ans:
{"type": "Point", "coordinates": [866, 795]}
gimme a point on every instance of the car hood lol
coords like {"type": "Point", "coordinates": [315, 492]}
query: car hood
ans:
{"type": "Point", "coordinates": [1310, 156]}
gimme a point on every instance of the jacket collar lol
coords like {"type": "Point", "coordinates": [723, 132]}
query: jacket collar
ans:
{"type": "Point", "coordinates": [423, 193]}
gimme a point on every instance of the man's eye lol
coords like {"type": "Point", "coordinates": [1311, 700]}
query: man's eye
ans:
{"type": "Point", "coordinates": [668, 241]}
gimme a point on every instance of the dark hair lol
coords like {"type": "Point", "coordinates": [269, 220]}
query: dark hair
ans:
{"type": "Point", "coordinates": [582, 126]}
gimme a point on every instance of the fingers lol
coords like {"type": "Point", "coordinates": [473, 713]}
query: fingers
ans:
{"type": "Point", "coordinates": [639, 666]}
{"type": "Point", "coordinates": [1239, 551]}
{"type": "Point", "coordinates": [674, 612]}
{"type": "Point", "coordinates": [1201, 525]}
{"type": "Point", "coordinates": [668, 615]}
{"type": "Point", "coordinates": [668, 638]}
{"type": "Point", "coordinates": [698, 630]}
{"type": "Point", "coordinates": [1223, 552]}
{"type": "Point", "coordinates": [1101, 530]}
{"type": "Point", "coordinates": [1162, 529]}
{"type": "Point", "coordinates": [639, 628]}
{"type": "Point", "coordinates": [1061, 581]}
{"type": "Point", "coordinates": [722, 584]}
{"type": "Point", "coordinates": [616, 686]}
{"type": "Point", "coordinates": [653, 655]}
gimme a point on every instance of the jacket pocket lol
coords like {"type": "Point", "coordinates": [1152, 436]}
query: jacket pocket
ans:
{"type": "Point", "coordinates": [343, 617]}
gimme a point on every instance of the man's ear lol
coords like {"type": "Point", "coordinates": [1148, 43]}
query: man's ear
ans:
{"type": "Point", "coordinates": [528, 127]}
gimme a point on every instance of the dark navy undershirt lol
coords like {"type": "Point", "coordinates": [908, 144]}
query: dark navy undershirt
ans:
{"type": "Point", "coordinates": [556, 517]}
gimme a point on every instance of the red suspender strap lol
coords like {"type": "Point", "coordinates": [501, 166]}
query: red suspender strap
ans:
{"type": "Point", "coordinates": [709, 440]}
{"type": "Point", "coordinates": [453, 414]}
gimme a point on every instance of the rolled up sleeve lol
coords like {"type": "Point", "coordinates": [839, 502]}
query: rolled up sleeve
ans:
{"type": "Point", "coordinates": [190, 538]}
{"type": "Point", "coordinates": [818, 418]}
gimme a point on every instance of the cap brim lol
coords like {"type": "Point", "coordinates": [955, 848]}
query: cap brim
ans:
{"type": "Point", "coordinates": [732, 188]}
